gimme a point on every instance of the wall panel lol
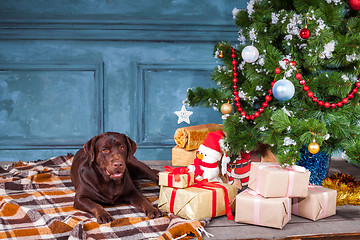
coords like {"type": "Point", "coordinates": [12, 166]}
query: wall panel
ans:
{"type": "Point", "coordinates": [72, 69]}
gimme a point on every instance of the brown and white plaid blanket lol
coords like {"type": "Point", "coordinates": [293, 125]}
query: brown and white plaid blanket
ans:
{"type": "Point", "coordinates": [36, 202]}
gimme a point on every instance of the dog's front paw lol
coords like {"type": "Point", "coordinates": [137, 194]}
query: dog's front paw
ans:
{"type": "Point", "coordinates": [102, 216]}
{"type": "Point", "coordinates": [153, 212]}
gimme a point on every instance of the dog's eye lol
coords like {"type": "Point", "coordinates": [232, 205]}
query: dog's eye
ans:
{"type": "Point", "coordinates": [105, 150]}
{"type": "Point", "coordinates": [122, 147]}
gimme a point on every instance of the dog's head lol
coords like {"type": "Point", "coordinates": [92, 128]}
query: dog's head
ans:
{"type": "Point", "coordinates": [110, 151]}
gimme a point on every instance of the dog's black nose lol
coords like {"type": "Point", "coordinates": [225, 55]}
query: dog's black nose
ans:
{"type": "Point", "coordinates": [117, 164]}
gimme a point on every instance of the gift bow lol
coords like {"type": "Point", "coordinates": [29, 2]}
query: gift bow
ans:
{"type": "Point", "coordinates": [176, 172]}
{"type": "Point", "coordinates": [205, 184]}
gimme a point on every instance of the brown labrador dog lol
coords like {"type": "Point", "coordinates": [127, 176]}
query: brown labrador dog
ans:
{"type": "Point", "coordinates": [103, 172]}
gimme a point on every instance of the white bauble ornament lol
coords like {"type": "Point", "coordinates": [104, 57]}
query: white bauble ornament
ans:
{"type": "Point", "coordinates": [250, 54]}
{"type": "Point", "coordinates": [283, 90]}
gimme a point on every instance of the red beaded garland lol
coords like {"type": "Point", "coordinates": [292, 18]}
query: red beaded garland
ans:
{"type": "Point", "coordinates": [265, 104]}
{"type": "Point", "coordinates": [268, 97]}
{"type": "Point", "coordinates": [327, 104]}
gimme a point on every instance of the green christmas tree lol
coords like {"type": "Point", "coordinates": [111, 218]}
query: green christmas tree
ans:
{"type": "Point", "coordinates": [310, 46]}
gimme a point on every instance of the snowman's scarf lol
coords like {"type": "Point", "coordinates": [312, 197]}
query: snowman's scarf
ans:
{"type": "Point", "coordinates": [198, 162]}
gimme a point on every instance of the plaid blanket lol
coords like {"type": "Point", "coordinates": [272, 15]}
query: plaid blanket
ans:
{"type": "Point", "coordinates": [36, 202]}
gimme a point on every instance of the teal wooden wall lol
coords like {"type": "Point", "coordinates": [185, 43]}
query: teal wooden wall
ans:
{"type": "Point", "coordinates": [71, 69]}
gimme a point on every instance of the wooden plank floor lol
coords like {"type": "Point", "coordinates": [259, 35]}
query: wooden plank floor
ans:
{"type": "Point", "coordinates": [344, 225]}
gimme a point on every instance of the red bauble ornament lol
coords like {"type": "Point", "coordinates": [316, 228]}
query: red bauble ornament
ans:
{"type": "Point", "coordinates": [305, 33]}
{"type": "Point", "coordinates": [354, 4]}
{"type": "Point", "coordinates": [298, 76]}
{"type": "Point", "coordinates": [277, 70]}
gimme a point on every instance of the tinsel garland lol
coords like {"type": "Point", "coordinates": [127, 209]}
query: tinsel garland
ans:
{"type": "Point", "coordinates": [317, 164]}
{"type": "Point", "coordinates": [347, 187]}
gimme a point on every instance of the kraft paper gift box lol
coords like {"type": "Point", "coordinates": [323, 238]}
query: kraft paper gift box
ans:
{"type": "Point", "coordinates": [272, 180]}
{"type": "Point", "coordinates": [176, 177]}
{"type": "Point", "coordinates": [320, 203]}
{"type": "Point", "coordinates": [197, 203]}
{"type": "Point", "coordinates": [182, 157]}
{"type": "Point", "coordinates": [252, 208]}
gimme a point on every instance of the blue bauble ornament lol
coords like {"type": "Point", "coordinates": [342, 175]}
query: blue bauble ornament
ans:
{"type": "Point", "coordinates": [250, 54]}
{"type": "Point", "coordinates": [283, 90]}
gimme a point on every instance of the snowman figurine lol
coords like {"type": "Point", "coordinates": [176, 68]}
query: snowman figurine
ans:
{"type": "Point", "coordinates": [207, 157]}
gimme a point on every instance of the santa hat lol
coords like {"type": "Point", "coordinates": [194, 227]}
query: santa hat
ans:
{"type": "Point", "coordinates": [211, 145]}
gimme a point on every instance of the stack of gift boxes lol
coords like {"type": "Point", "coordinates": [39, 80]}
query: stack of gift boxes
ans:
{"type": "Point", "coordinates": [274, 192]}
{"type": "Point", "coordinates": [192, 199]}
{"type": "Point", "coordinates": [273, 195]}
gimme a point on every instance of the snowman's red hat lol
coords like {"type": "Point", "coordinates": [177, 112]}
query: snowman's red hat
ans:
{"type": "Point", "coordinates": [211, 145]}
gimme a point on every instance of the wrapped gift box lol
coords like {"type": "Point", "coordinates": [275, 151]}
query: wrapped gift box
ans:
{"type": "Point", "coordinates": [176, 177]}
{"type": "Point", "coordinates": [320, 203]}
{"type": "Point", "coordinates": [197, 203]}
{"type": "Point", "coordinates": [272, 180]}
{"type": "Point", "coordinates": [190, 138]}
{"type": "Point", "coordinates": [182, 157]}
{"type": "Point", "coordinates": [252, 208]}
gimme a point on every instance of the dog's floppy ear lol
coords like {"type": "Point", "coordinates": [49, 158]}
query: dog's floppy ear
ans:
{"type": "Point", "coordinates": [131, 146]}
{"type": "Point", "coordinates": [89, 148]}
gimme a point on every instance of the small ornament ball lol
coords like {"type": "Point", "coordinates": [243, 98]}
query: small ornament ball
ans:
{"type": "Point", "coordinates": [250, 54]}
{"type": "Point", "coordinates": [221, 54]}
{"type": "Point", "coordinates": [226, 108]}
{"type": "Point", "coordinates": [313, 148]}
{"type": "Point", "coordinates": [283, 90]}
{"type": "Point", "coordinates": [354, 4]}
{"type": "Point", "coordinates": [305, 33]}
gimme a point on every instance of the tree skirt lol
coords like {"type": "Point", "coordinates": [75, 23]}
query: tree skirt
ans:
{"type": "Point", "coordinates": [36, 202]}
